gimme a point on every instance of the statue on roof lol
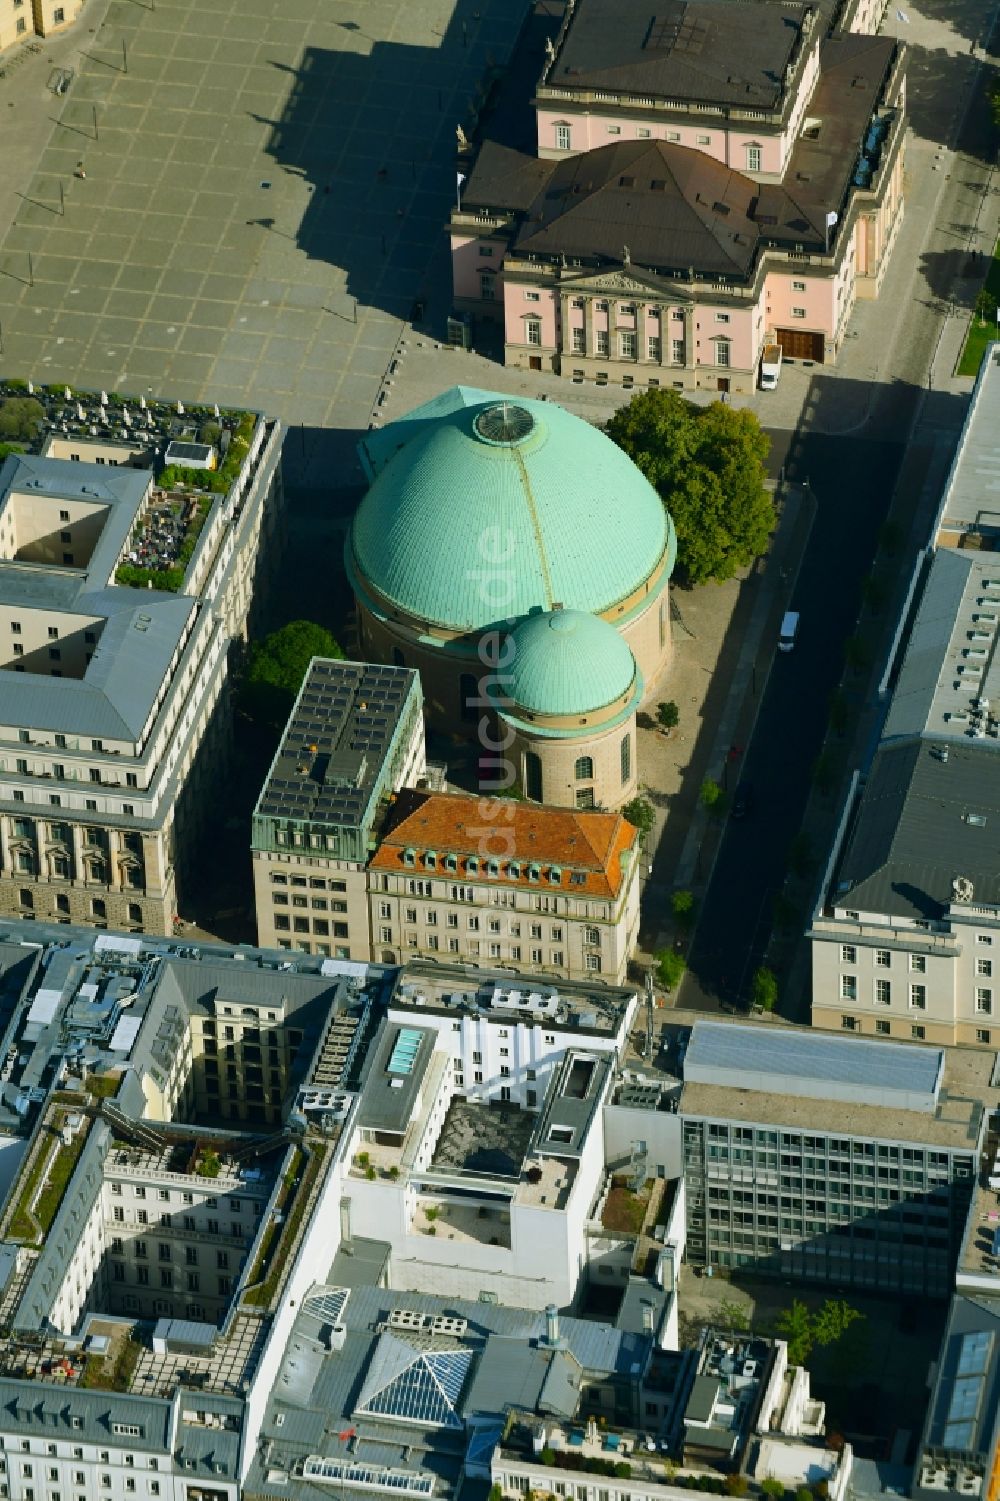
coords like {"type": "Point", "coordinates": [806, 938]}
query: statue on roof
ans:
{"type": "Point", "coordinates": [626, 256]}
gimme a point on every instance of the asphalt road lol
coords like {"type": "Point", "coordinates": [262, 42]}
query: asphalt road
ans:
{"type": "Point", "coordinates": [852, 479]}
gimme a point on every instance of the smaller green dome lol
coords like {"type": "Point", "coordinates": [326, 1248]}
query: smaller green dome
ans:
{"type": "Point", "coordinates": [565, 662]}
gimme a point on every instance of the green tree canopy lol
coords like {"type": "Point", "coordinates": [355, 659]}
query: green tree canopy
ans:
{"type": "Point", "coordinates": [20, 416]}
{"type": "Point", "coordinates": [794, 1325]}
{"type": "Point", "coordinates": [802, 1330]}
{"type": "Point", "coordinates": [277, 666]}
{"type": "Point", "coordinates": [764, 989]}
{"type": "Point", "coordinates": [832, 1321]}
{"type": "Point", "coordinates": [708, 465]}
{"type": "Point", "coordinates": [670, 967]}
{"type": "Point", "coordinates": [639, 813]}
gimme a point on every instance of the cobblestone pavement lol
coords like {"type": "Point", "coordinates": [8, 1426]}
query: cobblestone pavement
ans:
{"type": "Point", "coordinates": [264, 197]}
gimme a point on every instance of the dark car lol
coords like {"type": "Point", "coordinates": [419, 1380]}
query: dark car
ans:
{"type": "Point", "coordinates": [742, 800]}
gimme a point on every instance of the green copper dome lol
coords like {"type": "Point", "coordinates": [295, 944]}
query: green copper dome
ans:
{"type": "Point", "coordinates": [484, 508]}
{"type": "Point", "coordinates": [566, 662]}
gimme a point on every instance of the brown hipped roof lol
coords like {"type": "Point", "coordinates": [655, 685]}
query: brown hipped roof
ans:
{"type": "Point", "coordinates": [523, 835]}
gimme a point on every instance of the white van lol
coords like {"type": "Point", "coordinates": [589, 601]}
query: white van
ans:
{"type": "Point", "coordinates": [789, 630]}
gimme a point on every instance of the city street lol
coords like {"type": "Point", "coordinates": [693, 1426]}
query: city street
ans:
{"type": "Point", "coordinates": [852, 482]}
{"type": "Point", "coordinates": [849, 446]}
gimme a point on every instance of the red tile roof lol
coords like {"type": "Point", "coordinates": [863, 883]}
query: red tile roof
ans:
{"type": "Point", "coordinates": [524, 843]}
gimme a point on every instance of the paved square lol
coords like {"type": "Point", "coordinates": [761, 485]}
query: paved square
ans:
{"type": "Point", "coordinates": [265, 193]}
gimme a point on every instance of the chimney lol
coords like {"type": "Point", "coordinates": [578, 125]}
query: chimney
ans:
{"type": "Point", "coordinates": [551, 1325]}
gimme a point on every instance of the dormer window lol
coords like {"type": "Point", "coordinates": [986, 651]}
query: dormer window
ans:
{"type": "Point", "coordinates": [555, 876]}
{"type": "Point", "coordinates": [472, 865]}
{"type": "Point", "coordinates": [409, 857]}
{"type": "Point", "coordinates": [533, 872]}
{"type": "Point", "coordinates": [493, 867]}
{"type": "Point", "coordinates": [451, 862]}
{"type": "Point", "coordinates": [431, 860]}
{"type": "Point", "coordinates": [514, 871]}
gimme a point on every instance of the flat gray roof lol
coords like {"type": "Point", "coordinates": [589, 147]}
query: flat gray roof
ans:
{"type": "Point", "coordinates": [393, 1082]}
{"type": "Point", "coordinates": [967, 1094]}
{"type": "Point", "coordinates": [951, 659]}
{"type": "Point", "coordinates": [574, 1094]}
{"type": "Point", "coordinates": [898, 1075]}
{"type": "Point", "coordinates": [972, 494]}
{"type": "Point", "coordinates": [335, 743]}
{"type": "Point", "coordinates": [926, 818]}
{"type": "Point", "coordinates": [139, 629]}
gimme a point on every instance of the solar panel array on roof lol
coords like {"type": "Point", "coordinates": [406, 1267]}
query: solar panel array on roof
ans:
{"type": "Point", "coordinates": [335, 743]}
{"type": "Point", "coordinates": [328, 1305]}
{"type": "Point", "coordinates": [802, 1063]}
{"type": "Point", "coordinates": [178, 450]}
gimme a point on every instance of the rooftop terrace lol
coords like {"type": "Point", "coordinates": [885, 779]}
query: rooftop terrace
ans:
{"type": "Point", "coordinates": [568, 1006]}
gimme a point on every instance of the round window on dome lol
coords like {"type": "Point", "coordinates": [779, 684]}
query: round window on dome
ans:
{"type": "Point", "coordinates": [504, 423]}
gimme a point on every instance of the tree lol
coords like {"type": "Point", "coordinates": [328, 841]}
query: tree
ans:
{"type": "Point", "coordinates": [800, 854]}
{"type": "Point", "coordinates": [826, 770]}
{"type": "Point", "coordinates": [994, 98]}
{"type": "Point", "coordinates": [875, 591]}
{"type": "Point", "coordinates": [707, 463]}
{"type": "Point", "coordinates": [890, 537]}
{"type": "Point", "coordinates": [764, 989]}
{"type": "Point", "coordinates": [839, 713]}
{"type": "Point", "coordinates": [682, 905]}
{"type": "Point", "coordinates": [736, 1484]}
{"type": "Point", "coordinates": [986, 306]}
{"type": "Point", "coordinates": [832, 1321]}
{"type": "Point", "coordinates": [667, 716]}
{"type": "Point", "coordinates": [20, 416]}
{"type": "Point", "coordinates": [802, 1330]}
{"type": "Point", "coordinates": [277, 666]}
{"type": "Point", "coordinates": [710, 796]}
{"type": "Point", "coordinates": [734, 1316]}
{"type": "Point", "coordinates": [795, 1327]}
{"type": "Point", "coordinates": [670, 968]}
{"type": "Point", "coordinates": [803, 1493]}
{"type": "Point", "coordinates": [858, 654]}
{"type": "Point", "coordinates": [639, 813]}
{"type": "Point", "coordinates": [772, 1487]}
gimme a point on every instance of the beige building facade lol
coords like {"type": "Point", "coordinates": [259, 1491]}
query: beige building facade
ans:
{"type": "Point", "coordinates": [355, 735]}
{"type": "Point", "coordinates": [906, 935]}
{"type": "Point", "coordinates": [495, 882]}
{"type": "Point", "coordinates": [21, 19]}
{"type": "Point", "coordinates": [114, 718]}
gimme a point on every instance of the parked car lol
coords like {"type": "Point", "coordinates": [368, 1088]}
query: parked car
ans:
{"type": "Point", "coordinates": [742, 800]}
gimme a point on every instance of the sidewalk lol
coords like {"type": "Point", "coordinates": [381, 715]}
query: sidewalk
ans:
{"type": "Point", "coordinates": [24, 91]}
{"type": "Point", "coordinates": [775, 578]}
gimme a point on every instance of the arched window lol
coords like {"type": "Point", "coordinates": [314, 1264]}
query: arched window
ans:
{"type": "Point", "coordinates": [584, 768]}
{"type": "Point", "coordinates": [626, 758]}
{"type": "Point", "coordinates": [563, 137]}
{"type": "Point", "coordinates": [397, 657]}
{"type": "Point", "coordinates": [532, 776]}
